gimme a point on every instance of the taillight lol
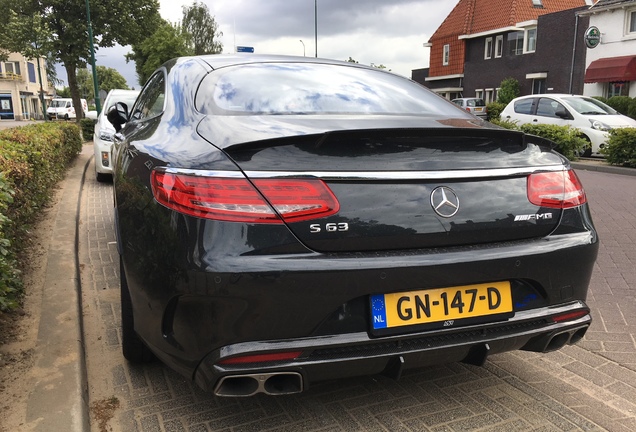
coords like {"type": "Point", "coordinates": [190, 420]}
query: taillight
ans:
{"type": "Point", "coordinates": [561, 190]}
{"type": "Point", "coordinates": [259, 358]}
{"type": "Point", "coordinates": [238, 200]}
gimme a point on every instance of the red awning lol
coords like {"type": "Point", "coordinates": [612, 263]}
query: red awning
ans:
{"type": "Point", "coordinates": [612, 69]}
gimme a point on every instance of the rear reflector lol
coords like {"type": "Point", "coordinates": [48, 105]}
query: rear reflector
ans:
{"type": "Point", "coordinates": [560, 190]}
{"type": "Point", "coordinates": [239, 200]}
{"type": "Point", "coordinates": [260, 358]}
{"type": "Point", "coordinates": [570, 316]}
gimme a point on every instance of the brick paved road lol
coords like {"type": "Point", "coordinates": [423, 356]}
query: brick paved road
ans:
{"type": "Point", "coordinates": [590, 387]}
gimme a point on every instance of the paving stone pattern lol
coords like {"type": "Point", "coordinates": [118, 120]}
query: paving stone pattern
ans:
{"type": "Point", "coordinates": [587, 387]}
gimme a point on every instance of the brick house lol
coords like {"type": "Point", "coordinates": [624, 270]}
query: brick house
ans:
{"type": "Point", "coordinates": [482, 42]}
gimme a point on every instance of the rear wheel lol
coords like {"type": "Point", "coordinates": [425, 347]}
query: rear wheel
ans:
{"type": "Point", "coordinates": [133, 348]}
{"type": "Point", "coordinates": [587, 151]}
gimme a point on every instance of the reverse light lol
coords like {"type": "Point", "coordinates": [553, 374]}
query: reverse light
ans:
{"type": "Point", "coordinates": [239, 200]}
{"type": "Point", "coordinates": [559, 190]}
{"type": "Point", "coordinates": [260, 358]}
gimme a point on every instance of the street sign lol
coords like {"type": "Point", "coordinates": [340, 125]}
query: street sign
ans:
{"type": "Point", "coordinates": [244, 49]}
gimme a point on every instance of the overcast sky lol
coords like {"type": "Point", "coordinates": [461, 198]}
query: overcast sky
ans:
{"type": "Point", "coordinates": [388, 32]}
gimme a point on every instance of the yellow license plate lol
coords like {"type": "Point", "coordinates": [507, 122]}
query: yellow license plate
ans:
{"type": "Point", "coordinates": [440, 305]}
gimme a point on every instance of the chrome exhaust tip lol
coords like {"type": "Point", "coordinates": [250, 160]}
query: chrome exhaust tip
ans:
{"type": "Point", "coordinates": [275, 384]}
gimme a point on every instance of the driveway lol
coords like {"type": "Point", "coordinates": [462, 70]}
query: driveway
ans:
{"type": "Point", "coordinates": [590, 386]}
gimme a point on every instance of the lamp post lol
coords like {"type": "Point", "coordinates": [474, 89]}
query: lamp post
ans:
{"type": "Point", "coordinates": [301, 41]}
{"type": "Point", "coordinates": [316, 25]}
{"type": "Point", "coordinates": [98, 105]}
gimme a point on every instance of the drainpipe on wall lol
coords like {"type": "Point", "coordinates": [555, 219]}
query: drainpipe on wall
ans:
{"type": "Point", "coordinates": [576, 35]}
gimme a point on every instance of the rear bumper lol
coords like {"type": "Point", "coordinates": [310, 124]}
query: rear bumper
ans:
{"type": "Point", "coordinates": [319, 304]}
{"type": "Point", "coordinates": [356, 354]}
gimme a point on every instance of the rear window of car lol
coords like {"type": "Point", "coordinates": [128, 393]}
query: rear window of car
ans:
{"type": "Point", "coordinates": [523, 106]}
{"type": "Point", "coordinates": [304, 89]}
{"type": "Point", "coordinates": [476, 103]}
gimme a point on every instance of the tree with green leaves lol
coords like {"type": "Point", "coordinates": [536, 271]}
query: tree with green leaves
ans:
{"type": "Point", "coordinates": [167, 42]}
{"type": "Point", "coordinates": [108, 79]}
{"type": "Point", "coordinates": [113, 22]}
{"type": "Point", "coordinates": [201, 29]}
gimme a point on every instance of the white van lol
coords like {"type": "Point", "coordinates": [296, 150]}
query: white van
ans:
{"type": "Point", "coordinates": [62, 108]}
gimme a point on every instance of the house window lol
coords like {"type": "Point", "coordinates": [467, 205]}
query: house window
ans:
{"type": "Point", "coordinates": [537, 3]}
{"type": "Point", "coordinates": [499, 46]}
{"type": "Point", "coordinates": [530, 40]}
{"type": "Point", "coordinates": [515, 43]}
{"type": "Point", "coordinates": [12, 68]}
{"type": "Point", "coordinates": [31, 70]}
{"type": "Point", "coordinates": [618, 89]}
{"type": "Point", "coordinates": [479, 94]}
{"type": "Point", "coordinates": [446, 55]}
{"type": "Point", "coordinates": [488, 49]}
{"type": "Point", "coordinates": [631, 25]}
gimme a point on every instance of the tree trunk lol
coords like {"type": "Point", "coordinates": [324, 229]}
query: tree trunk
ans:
{"type": "Point", "coordinates": [71, 73]}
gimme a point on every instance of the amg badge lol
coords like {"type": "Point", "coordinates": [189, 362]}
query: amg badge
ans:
{"type": "Point", "coordinates": [531, 217]}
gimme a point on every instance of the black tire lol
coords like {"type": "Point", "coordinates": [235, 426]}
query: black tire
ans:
{"type": "Point", "coordinates": [66, 117]}
{"type": "Point", "coordinates": [587, 152]}
{"type": "Point", "coordinates": [133, 348]}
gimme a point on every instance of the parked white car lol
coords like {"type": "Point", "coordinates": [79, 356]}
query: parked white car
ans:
{"type": "Point", "coordinates": [62, 108]}
{"type": "Point", "coordinates": [104, 131]}
{"type": "Point", "coordinates": [592, 117]}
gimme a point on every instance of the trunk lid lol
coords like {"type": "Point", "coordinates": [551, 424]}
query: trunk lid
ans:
{"type": "Point", "coordinates": [389, 181]}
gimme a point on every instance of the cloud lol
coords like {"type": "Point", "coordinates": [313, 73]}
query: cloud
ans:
{"type": "Point", "coordinates": [370, 31]}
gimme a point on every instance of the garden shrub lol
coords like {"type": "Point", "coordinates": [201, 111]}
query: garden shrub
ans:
{"type": "Point", "coordinates": [88, 128]}
{"type": "Point", "coordinates": [620, 103]}
{"type": "Point", "coordinates": [494, 110]}
{"type": "Point", "coordinates": [631, 109]}
{"type": "Point", "coordinates": [568, 140]}
{"type": "Point", "coordinates": [508, 90]}
{"type": "Point", "coordinates": [621, 147]}
{"type": "Point", "coordinates": [33, 159]}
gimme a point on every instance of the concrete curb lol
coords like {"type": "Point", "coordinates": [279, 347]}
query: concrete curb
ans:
{"type": "Point", "coordinates": [59, 399]}
{"type": "Point", "coordinates": [602, 166]}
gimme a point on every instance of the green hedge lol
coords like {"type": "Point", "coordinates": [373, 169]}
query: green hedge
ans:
{"type": "Point", "coordinates": [567, 139]}
{"type": "Point", "coordinates": [494, 110]}
{"type": "Point", "coordinates": [33, 159]}
{"type": "Point", "coordinates": [88, 128]}
{"type": "Point", "coordinates": [621, 147]}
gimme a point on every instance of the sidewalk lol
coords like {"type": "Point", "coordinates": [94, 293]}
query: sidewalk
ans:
{"type": "Point", "coordinates": [59, 400]}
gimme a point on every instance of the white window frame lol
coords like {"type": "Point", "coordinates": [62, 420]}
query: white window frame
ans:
{"type": "Point", "coordinates": [479, 93]}
{"type": "Point", "coordinates": [446, 55]}
{"type": "Point", "coordinates": [499, 46]}
{"type": "Point", "coordinates": [630, 21]}
{"type": "Point", "coordinates": [526, 40]}
{"type": "Point", "coordinates": [488, 49]}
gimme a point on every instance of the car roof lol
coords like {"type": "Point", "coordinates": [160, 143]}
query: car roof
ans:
{"type": "Point", "coordinates": [217, 61]}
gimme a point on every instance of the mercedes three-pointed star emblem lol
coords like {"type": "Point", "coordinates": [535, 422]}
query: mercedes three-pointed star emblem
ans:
{"type": "Point", "coordinates": [445, 201]}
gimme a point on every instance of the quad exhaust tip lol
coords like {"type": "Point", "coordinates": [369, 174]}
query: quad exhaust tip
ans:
{"type": "Point", "coordinates": [275, 384]}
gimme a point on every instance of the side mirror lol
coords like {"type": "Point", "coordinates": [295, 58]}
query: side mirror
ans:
{"type": "Point", "coordinates": [118, 115]}
{"type": "Point", "coordinates": [562, 113]}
